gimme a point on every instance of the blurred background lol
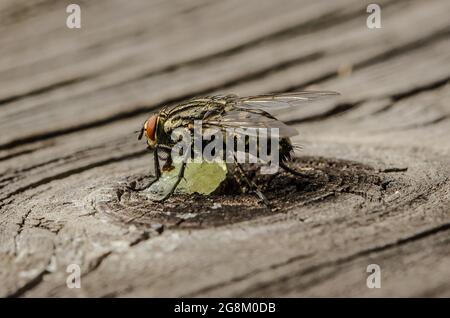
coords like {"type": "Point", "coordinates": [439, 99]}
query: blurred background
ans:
{"type": "Point", "coordinates": [131, 57]}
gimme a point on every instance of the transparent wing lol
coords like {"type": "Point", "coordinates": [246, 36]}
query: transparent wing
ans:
{"type": "Point", "coordinates": [284, 100]}
{"type": "Point", "coordinates": [250, 119]}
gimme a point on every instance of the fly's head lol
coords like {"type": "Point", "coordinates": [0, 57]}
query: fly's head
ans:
{"type": "Point", "coordinates": [149, 130]}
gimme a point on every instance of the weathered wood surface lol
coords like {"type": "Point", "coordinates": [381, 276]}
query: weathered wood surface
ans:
{"type": "Point", "coordinates": [71, 99]}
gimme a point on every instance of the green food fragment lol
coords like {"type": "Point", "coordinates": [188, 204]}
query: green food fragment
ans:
{"type": "Point", "coordinates": [202, 178]}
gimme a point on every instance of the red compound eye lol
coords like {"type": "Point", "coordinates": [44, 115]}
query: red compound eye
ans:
{"type": "Point", "coordinates": [150, 127]}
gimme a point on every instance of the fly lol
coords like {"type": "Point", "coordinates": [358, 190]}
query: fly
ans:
{"type": "Point", "coordinates": [224, 112]}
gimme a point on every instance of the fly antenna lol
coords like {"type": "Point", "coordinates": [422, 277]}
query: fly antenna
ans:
{"type": "Point", "coordinates": [141, 133]}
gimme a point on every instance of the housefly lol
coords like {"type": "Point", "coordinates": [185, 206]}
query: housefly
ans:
{"type": "Point", "coordinates": [223, 112]}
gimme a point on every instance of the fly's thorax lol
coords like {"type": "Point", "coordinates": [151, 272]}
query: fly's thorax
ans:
{"type": "Point", "coordinates": [161, 135]}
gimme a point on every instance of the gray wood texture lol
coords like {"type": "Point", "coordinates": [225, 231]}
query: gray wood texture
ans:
{"type": "Point", "coordinates": [379, 190]}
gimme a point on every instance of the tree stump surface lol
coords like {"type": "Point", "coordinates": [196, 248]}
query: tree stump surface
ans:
{"type": "Point", "coordinates": [379, 189]}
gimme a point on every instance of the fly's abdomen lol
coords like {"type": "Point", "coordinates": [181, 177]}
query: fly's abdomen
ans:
{"type": "Point", "coordinates": [244, 149]}
{"type": "Point", "coordinates": [286, 151]}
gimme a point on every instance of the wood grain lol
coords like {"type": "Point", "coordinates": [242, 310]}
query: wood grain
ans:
{"type": "Point", "coordinates": [379, 190]}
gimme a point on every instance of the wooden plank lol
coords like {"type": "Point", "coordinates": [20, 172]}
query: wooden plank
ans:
{"type": "Point", "coordinates": [136, 97]}
{"type": "Point", "coordinates": [184, 39]}
{"type": "Point", "coordinates": [130, 98]}
{"type": "Point", "coordinates": [378, 191]}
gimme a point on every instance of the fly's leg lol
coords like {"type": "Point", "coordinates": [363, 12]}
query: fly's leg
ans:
{"type": "Point", "coordinates": [156, 164]}
{"type": "Point", "coordinates": [252, 185]}
{"type": "Point", "coordinates": [156, 159]}
{"type": "Point", "coordinates": [179, 177]}
{"type": "Point", "coordinates": [242, 187]}
{"type": "Point", "coordinates": [295, 172]}
{"type": "Point", "coordinates": [180, 172]}
{"type": "Point", "coordinates": [157, 170]}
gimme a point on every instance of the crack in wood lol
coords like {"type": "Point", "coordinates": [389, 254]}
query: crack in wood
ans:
{"type": "Point", "coordinates": [322, 22]}
{"type": "Point", "coordinates": [74, 171]}
{"type": "Point", "coordinates": [19, 231]}
{"type": "Point", "coordinates": [249, 77]}
{"type": "Point", "coordinates": [401, 188]}
{"type": "Point", "coordinates": [315, 268]}
{"type": "Point", "coordinates": [42, 90]}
